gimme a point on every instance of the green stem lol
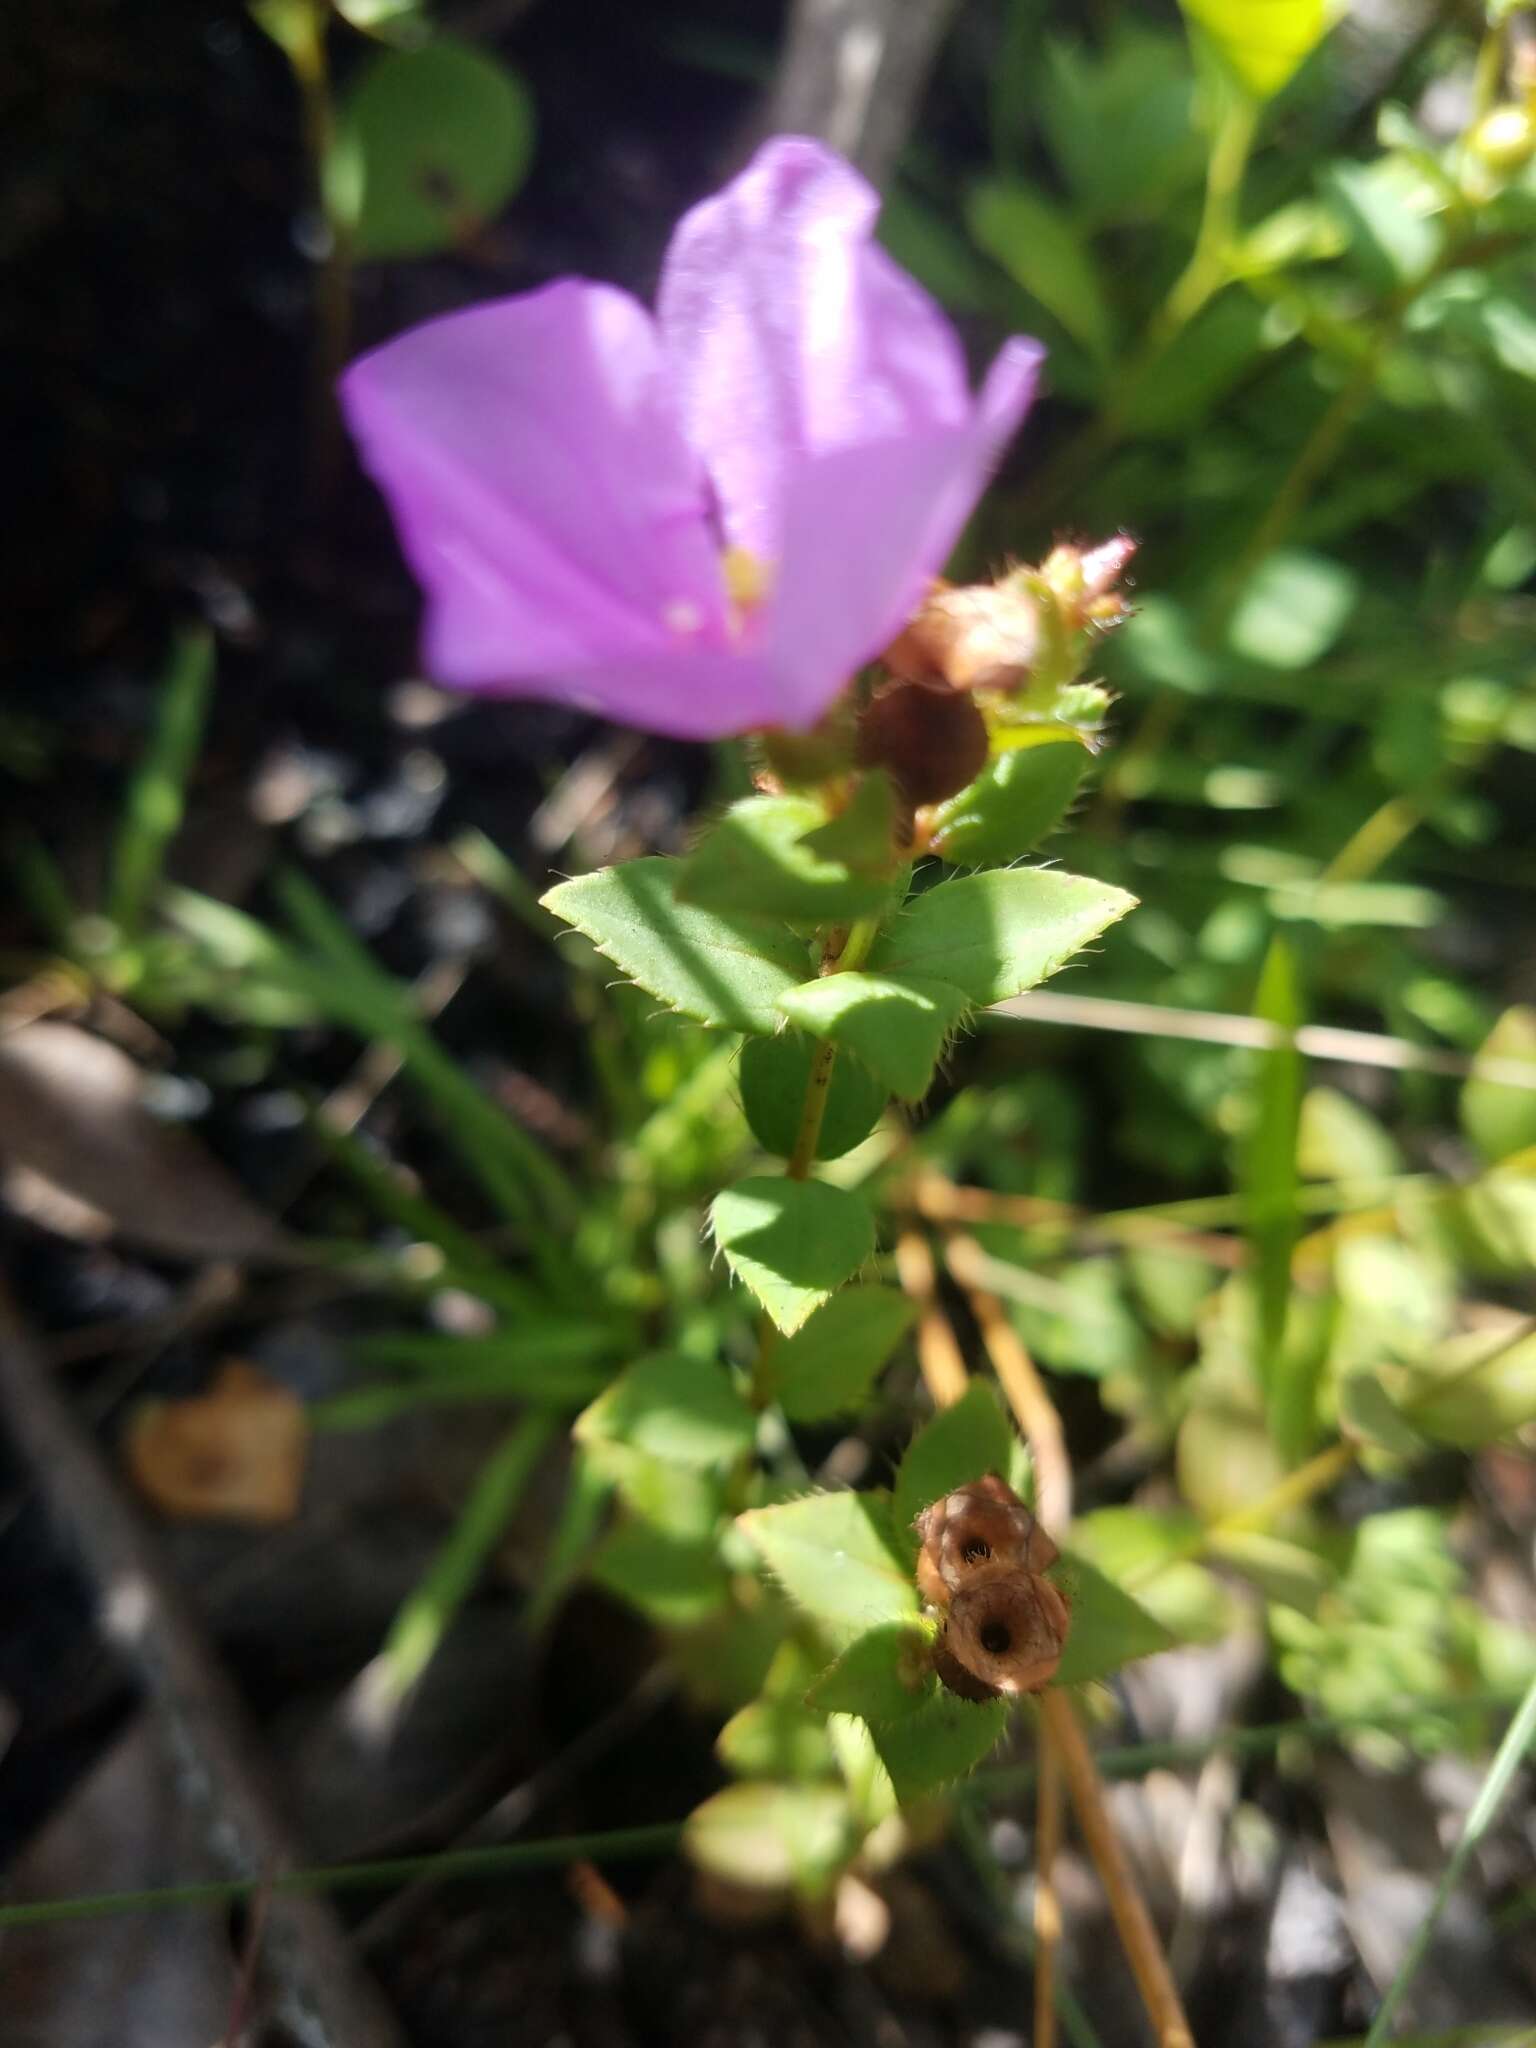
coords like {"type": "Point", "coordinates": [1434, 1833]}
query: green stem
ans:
{"type": "Point", "coordinates": [812, 1111]}
{"type": "Point", "coordinates": [851, 954]}
{"type": "Point", "coordinates": [1207, 269]}
{"type": "Point", "coordinates": [619, 1843]}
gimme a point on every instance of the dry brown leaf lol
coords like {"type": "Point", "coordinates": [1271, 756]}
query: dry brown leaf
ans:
{"type": "Point", "coordinates": [72, 1116]}
{"type": "Point", "coordinates": [234, 1454]}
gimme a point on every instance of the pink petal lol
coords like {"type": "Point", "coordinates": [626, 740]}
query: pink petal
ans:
{"type": "Point", "coordinates": [865, 528]}
{"type": "Point", "coordinates": [791, 335]}
{"type": "Point", "coordinates": [543, 491]}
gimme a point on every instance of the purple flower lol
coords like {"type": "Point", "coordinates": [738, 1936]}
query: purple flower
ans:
{"type": "Point", "coordinates": [703, 522]}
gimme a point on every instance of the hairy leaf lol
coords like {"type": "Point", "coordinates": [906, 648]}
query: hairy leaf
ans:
{"type": "Point", "coordinates": [721, 969]}
{"type": "Point", "coordinates": [995, 935]}
{"type": "Point", "coordinates": [792, 1241]}
{"type": "Point", "coordinates": [896, 1024]}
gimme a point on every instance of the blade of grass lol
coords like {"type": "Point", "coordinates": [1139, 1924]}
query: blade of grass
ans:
{"type": "Point", "coordinates": [1507, 1760]}
{"type": "Point", "coordinates": [473, 1267]}
{"type": "Point", "coordinates": [514, 1168]}
{"type": "Point", "coordinates": [424, 1618]}
{"type": "Point", "coordinates": [155, 800]}
{"type": "Point", "coordinates": [1269, 1182]}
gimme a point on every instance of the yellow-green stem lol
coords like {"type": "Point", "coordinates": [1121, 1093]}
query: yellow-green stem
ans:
{"type": "Point", "coordinates": [814, 1109]}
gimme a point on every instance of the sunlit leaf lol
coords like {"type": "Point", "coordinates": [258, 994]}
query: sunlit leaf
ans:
{"type": "Point", "coordinates": [792, 1241]}
{"type": "Point", "coordinates": [995, 935]}
{"type": "Point", "coordinates": [1016, 801]}
{"type": "Point", "coordinates": [768, 856]}
{"type": "Point", "coordinates": [1497, 1114]}
{"type": "Point", "coordinates": [772, 1837]}
{"type": "Point", "coordinates": [897, 1024]}
{"type": "Point", "coordinates": [1263, 41]}
{"type": "Point", "coordinates": [687, 1411]}
{"type": "Point", "coordinates": [721, 969]}
{"type": "Point", "coordinates": [830, 1554]}
{"type": "Point", "coordinates": [775, 1739]}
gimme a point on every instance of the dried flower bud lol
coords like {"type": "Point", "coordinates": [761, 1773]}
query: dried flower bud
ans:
{"type": "Point", "coordinates": [1008, 1628]}
{"type": "Point", "coordinates": [982, 637]}
{"type": "Point", "coordinates": [932, 741]}
{"type": "Point", "coordinates": [978, 1528]}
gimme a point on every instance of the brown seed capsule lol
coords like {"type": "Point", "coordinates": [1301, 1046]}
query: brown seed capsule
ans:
{"type": "Point", "coordinates": [933, 741]}
{"type": "Point", "coordinates": [1008, 1629]}
{"type": "Point", "coordinates": [977, 1528]}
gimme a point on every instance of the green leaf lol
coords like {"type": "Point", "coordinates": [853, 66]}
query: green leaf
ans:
{"type": "Point", "coordinates": [769, 1837]}
{"type": "Point", "coordinates": [1368, 1414]}
{"type": "Point", "coordinates": [775, 1739]}
{"type": "Point", "coordinates": [995, 935]}
{"type": "Point", "coordinates": [1263, 41]}
{"type": "Point", "coordinates": [924, 1735]}
{"type": "Point", "coordinates": [1017, 800]}
{"type": "Point", "coordinates": [1040, 248]}
{"type": "Point", "coordinates": [827, 1367]}
{"type": "Point", "coordinates": [1497, 1114]}
{"type": "Point", "coordinates": [1338, 1140]}
{"type": "Point", "coordinates": [1109, 1628]}
{"type": "Point", "coordinates": [1269, 1177]}
{"type": "Point", "coordinates": [772, 1077]}
{"type": "Point", "coordinates": [1147, 1554]}
{"type": "Point", "coordinates": [687, 1411]}
{"type": "Point", "coordinates": [156, 794]}
{"type": "Point", "coordinates": [942, 1741]}
{"type": "Point", "coordinates": [431, 145]}
{"type": "Point", "coordinates": [792, 1241]}
{"type": "Point", "coordinates": [723, 970]}
{"type": "Point", "coordinates": [896, 1024]}
{"type": "Point", "coordinates": [830, 1554]}
{"type": "Point", "coordinates": [429, 1609]}
{"type": "Point", "coordinates": [862, 836]}
{"type": "Point", "coordinates": [883, 1675]}
{"type": "Point", "coordinates": [1482, 1387]}
{"type": "Point", "coordinates": [1292, 609]}
{"type": "Point", "coordinates": [1393, 240]}
{"type": "Point", "coordinates": [964, 1441]}
{"type": "Point", "coordinates": [760, 858]}
{"type": "Point", "coordinates": [674, 1580]}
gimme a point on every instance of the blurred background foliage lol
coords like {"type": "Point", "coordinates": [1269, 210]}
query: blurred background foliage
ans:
{"type": "Point", "coordinates": [1279, 1205]}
